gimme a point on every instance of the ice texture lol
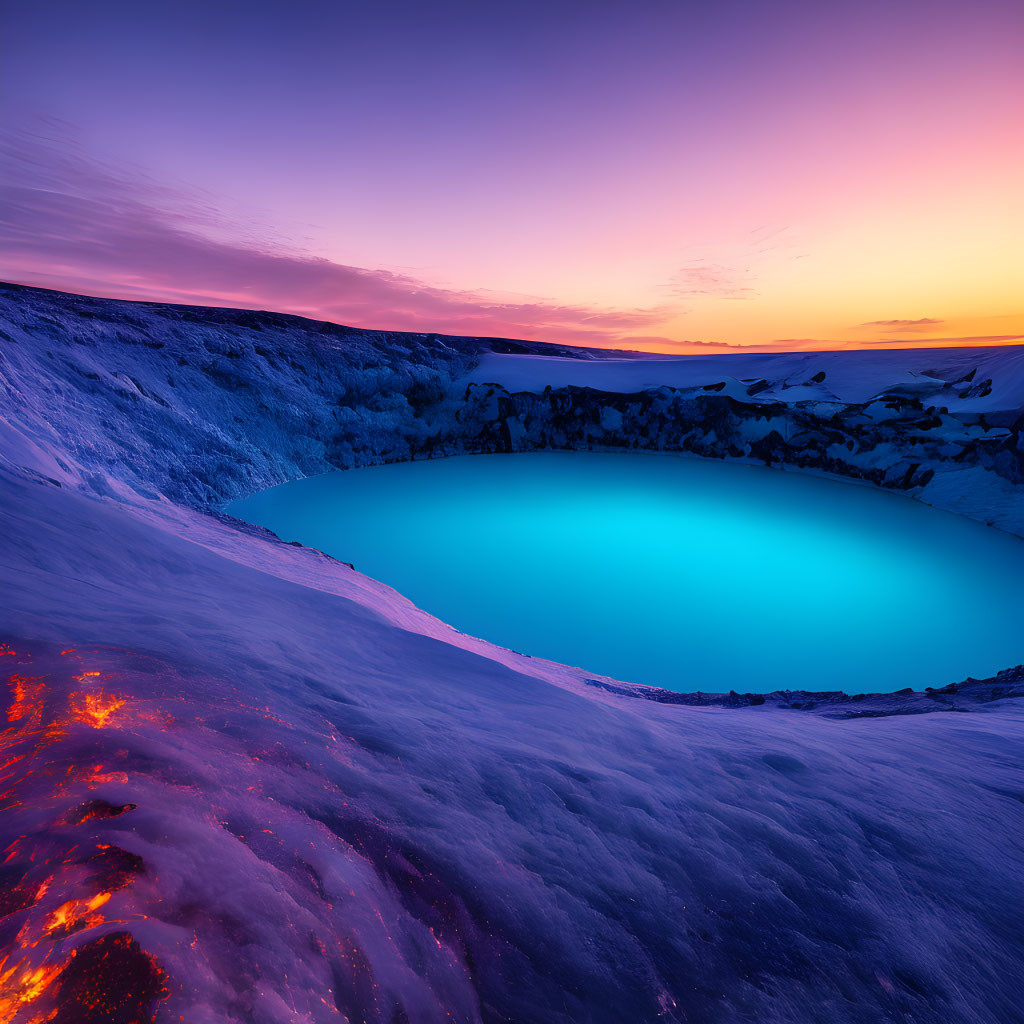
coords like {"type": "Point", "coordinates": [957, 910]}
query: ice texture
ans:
{"type": "Point", "coordinates": [245, 783]}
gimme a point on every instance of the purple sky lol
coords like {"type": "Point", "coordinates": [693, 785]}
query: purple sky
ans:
{"type": "Point", "coordinates": [653, 174]}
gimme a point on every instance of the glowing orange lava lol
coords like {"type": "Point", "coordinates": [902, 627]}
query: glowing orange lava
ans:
{"type": "Point", "coordinates": [95, 709]}
{"type": "Point", "coordinates": [40, 979]}
{"type": "Point", "coordinates": [21, 985]}
{"type": "Point", "coordinates": [76, 914]}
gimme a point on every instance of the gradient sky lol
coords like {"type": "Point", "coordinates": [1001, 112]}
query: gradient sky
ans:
{"type": "Point", "coordinates": [669, 176]}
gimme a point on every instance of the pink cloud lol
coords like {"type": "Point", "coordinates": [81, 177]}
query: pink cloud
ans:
{"type": "Point", "coordinates": [70, 223]}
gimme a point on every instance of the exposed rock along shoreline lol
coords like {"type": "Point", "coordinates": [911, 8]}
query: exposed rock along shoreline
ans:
{"type": "Point", "coordinates": [225, 402]}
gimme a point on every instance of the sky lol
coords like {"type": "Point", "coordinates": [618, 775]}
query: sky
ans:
{"type": "Point", "coordinates": [676, 177]}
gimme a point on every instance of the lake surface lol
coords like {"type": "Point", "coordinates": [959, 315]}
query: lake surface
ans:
{"type": "Point", "coordinates": [687, 574]}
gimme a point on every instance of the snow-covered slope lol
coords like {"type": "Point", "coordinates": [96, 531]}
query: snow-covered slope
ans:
{"type": "Point", "coordinates": [245, 783]}
{"type": "Point", "coordinates": [966, 379]}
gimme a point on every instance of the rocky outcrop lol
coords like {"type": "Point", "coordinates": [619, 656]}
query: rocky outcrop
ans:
{"type": "Point", "coordinates": [206, 405]}
{"type": "Point", "coordinates": [894, 441]}
{"type": "Point", "coordinates": [968, 695]}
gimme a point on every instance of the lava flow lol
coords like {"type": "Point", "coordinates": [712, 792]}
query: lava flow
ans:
{"type": "Point", "coordinates": [67, 957]}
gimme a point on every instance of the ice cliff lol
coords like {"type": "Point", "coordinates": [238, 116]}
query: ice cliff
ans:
{"type": "Point", "coordinates": [244, 783]}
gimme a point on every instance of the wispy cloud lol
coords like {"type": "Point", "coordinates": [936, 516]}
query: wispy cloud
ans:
{"type": "Point", "coordinates": [69, 222]}
{"type": "Point", "coordinates": [925, 323]}
{"type": "Point", "coordinates": [713, 279]}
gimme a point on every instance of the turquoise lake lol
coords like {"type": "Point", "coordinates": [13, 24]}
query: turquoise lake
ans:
{"type": "Point", "coordinates": [682, 573]}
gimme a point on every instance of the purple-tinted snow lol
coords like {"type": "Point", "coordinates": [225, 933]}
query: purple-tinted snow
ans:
{"type": "Point", "coordinates": [245, 783]}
